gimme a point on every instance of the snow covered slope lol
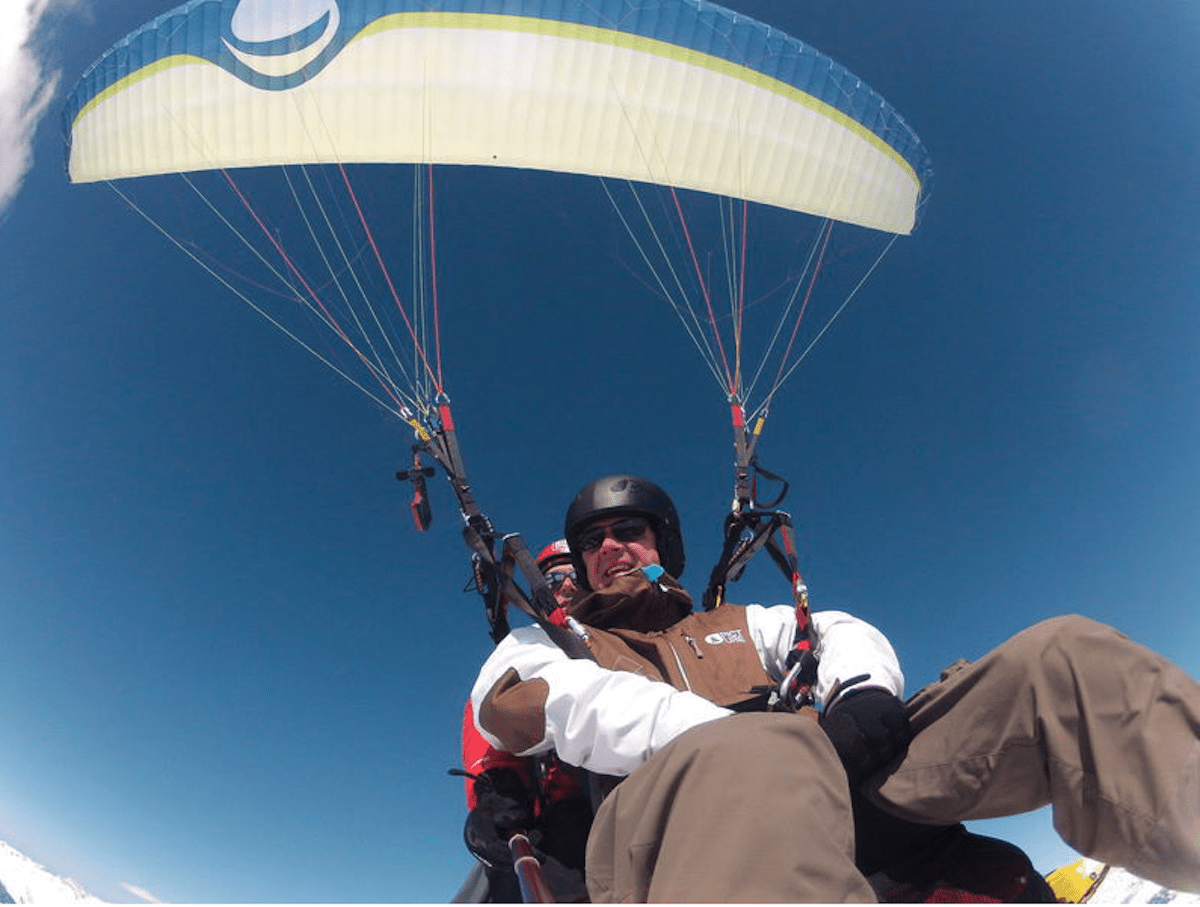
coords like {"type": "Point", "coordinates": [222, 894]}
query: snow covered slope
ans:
{"type": "Point", "coordinates": [1092, 882]}
{"type": "Point", "coordinates": [22, 881]}
{"type": "Point", "coordinates": [1120, 886]}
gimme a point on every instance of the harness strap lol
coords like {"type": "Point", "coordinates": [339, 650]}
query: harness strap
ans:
{"type": "Point", "coordinates": [795, 691]}
{"type": "Point", "coordinates": [750, 527]}
{"type": "Point", "coordinates": [496, 577]}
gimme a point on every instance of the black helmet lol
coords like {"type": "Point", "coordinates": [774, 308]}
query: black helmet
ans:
{"type": "Point", "coordinates": [619, 495]}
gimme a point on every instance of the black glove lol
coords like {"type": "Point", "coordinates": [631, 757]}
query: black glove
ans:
{"type": "Point", "coordinates": [868, 729]}
{"type": "Point", "coordinates": [503, 806]}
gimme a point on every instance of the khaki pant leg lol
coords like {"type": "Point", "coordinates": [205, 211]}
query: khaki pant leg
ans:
{"type": "Point", "coordinates": [749, 808]}
{"type": "Point", "coordinates": [1073, 714]}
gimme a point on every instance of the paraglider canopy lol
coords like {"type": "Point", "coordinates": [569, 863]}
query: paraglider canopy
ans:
{"type": "Point", "coordinates": [681, 94]}
{"type": "Point", "coordinates": [677, 92]}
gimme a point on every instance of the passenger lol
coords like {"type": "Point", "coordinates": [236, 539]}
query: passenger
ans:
{"type": "Point", "coordinates": [717, 805]}
{"type": "Point", "coordinates": [539, 795]}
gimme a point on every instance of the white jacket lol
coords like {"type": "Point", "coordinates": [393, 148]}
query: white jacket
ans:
{"type": "Point", "coordinates": [611, 721]}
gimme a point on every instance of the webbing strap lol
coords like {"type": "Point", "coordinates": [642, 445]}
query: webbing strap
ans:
{"type": "Point", "coordinates": [796, 689]}
{"type": "Point", "coordinates": [749, 528]}
{"type": "Point", "coordinates": [492, 571]}
{"type": "Point", "coordinates": [539, 604]}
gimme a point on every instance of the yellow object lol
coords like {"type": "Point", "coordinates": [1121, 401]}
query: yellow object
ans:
{"type": "Point", "coordinates": [1075, 884]}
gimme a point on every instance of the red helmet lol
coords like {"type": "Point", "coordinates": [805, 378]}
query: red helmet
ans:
{"type": "Point", "coordinates": [553, 555]}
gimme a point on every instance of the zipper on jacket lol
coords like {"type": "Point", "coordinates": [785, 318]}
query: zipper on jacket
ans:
{"type": "Point", "coordinates": [679, 664]}
{"type": "Point", "coordinates": [695, 646]}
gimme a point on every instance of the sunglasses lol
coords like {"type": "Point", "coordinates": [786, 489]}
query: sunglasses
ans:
{"type": "Point", "coordinates": [557, 579]}
{"type": "Point", "coordinates": [629, 529]}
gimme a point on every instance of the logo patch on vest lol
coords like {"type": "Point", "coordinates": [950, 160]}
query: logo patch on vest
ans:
{"type": "Point", "coordinates": [716, 639]}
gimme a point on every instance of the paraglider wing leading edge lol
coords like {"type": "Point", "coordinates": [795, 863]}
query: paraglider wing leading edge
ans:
{"type": "Point", "coordinates": [672, 93]}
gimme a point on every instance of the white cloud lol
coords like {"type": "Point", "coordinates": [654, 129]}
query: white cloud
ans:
{"type": "Point", "coordinates": [140, 893]}
{"type": "Point", "coordinates": [27, 86]}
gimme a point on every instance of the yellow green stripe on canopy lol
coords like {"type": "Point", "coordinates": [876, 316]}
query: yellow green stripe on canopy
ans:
{"type": "Point", "coordinates": [677, 92]}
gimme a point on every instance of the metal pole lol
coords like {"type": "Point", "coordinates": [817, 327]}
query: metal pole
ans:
{"type": "Point", "coordinates": [534, 889]}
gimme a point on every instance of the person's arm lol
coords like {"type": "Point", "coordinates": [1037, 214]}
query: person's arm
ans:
{"type": "Point", "coordinates": [531, 698]}
{"type": "Point", "coordinates": [859, 684]}
{"type": "Point", "coordinates": [847, 648]}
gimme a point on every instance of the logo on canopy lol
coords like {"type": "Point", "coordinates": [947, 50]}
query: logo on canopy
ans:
{"type": "Point", "coordinates": [282, 42]}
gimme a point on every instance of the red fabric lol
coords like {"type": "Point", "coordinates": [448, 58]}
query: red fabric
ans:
{"type": "Point", "coordinates": [938, 891]}
{"type": "Point", "coordinates": [558, 785]}
{"type": "Point", "coordinates": [478, 756]}
{"type": "Point", "coordinates": [957, 896]}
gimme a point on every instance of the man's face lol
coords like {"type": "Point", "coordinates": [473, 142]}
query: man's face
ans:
{"type": "Point", "coordinates": [562, 582]}
{"type": "Point", "coordinates": [614, 546]}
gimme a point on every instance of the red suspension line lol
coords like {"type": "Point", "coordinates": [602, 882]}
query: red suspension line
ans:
{"type": "Point", "coordinates": [433, 282]}
{"type": "Point", "coordinates": [741, 301]}
{"type": "Point", "coordinates": [388, 278]}
{"type": "Point", "coordinates": [812, 282]}
{"type": "Point", "coordinates": [712, 318]}
{"type": "Point", "coordinates": [330, 320]}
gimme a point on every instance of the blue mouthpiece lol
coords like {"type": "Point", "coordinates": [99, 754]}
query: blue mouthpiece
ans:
{"type": "Point", "coordinates": [653, 572]}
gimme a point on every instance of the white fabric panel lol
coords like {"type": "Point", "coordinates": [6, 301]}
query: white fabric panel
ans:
{"type": "Point", "coordinates": [514, 99]}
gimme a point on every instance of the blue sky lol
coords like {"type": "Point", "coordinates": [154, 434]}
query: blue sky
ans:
{"type": "Point", "coordinates": [233, 671]}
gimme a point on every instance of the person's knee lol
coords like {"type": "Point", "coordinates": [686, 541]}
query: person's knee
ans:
{"type": "Point", "coordinates": [1071, 637]}
{"type": "Point", "coordinates": [1057, 658]}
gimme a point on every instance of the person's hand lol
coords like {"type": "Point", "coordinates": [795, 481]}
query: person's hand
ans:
{"type": "Point", "coordinates": [504, 806]}
{"type": "Point", "coordinates": [868, 729]}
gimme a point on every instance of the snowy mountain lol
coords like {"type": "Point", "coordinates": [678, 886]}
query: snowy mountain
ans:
{"type": "Point", "coordinates": [1094, 882]}
{"type": "Point", "coordinates": [23, 881]}
{"type": "Point", "coordinates": [1120, 886]}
